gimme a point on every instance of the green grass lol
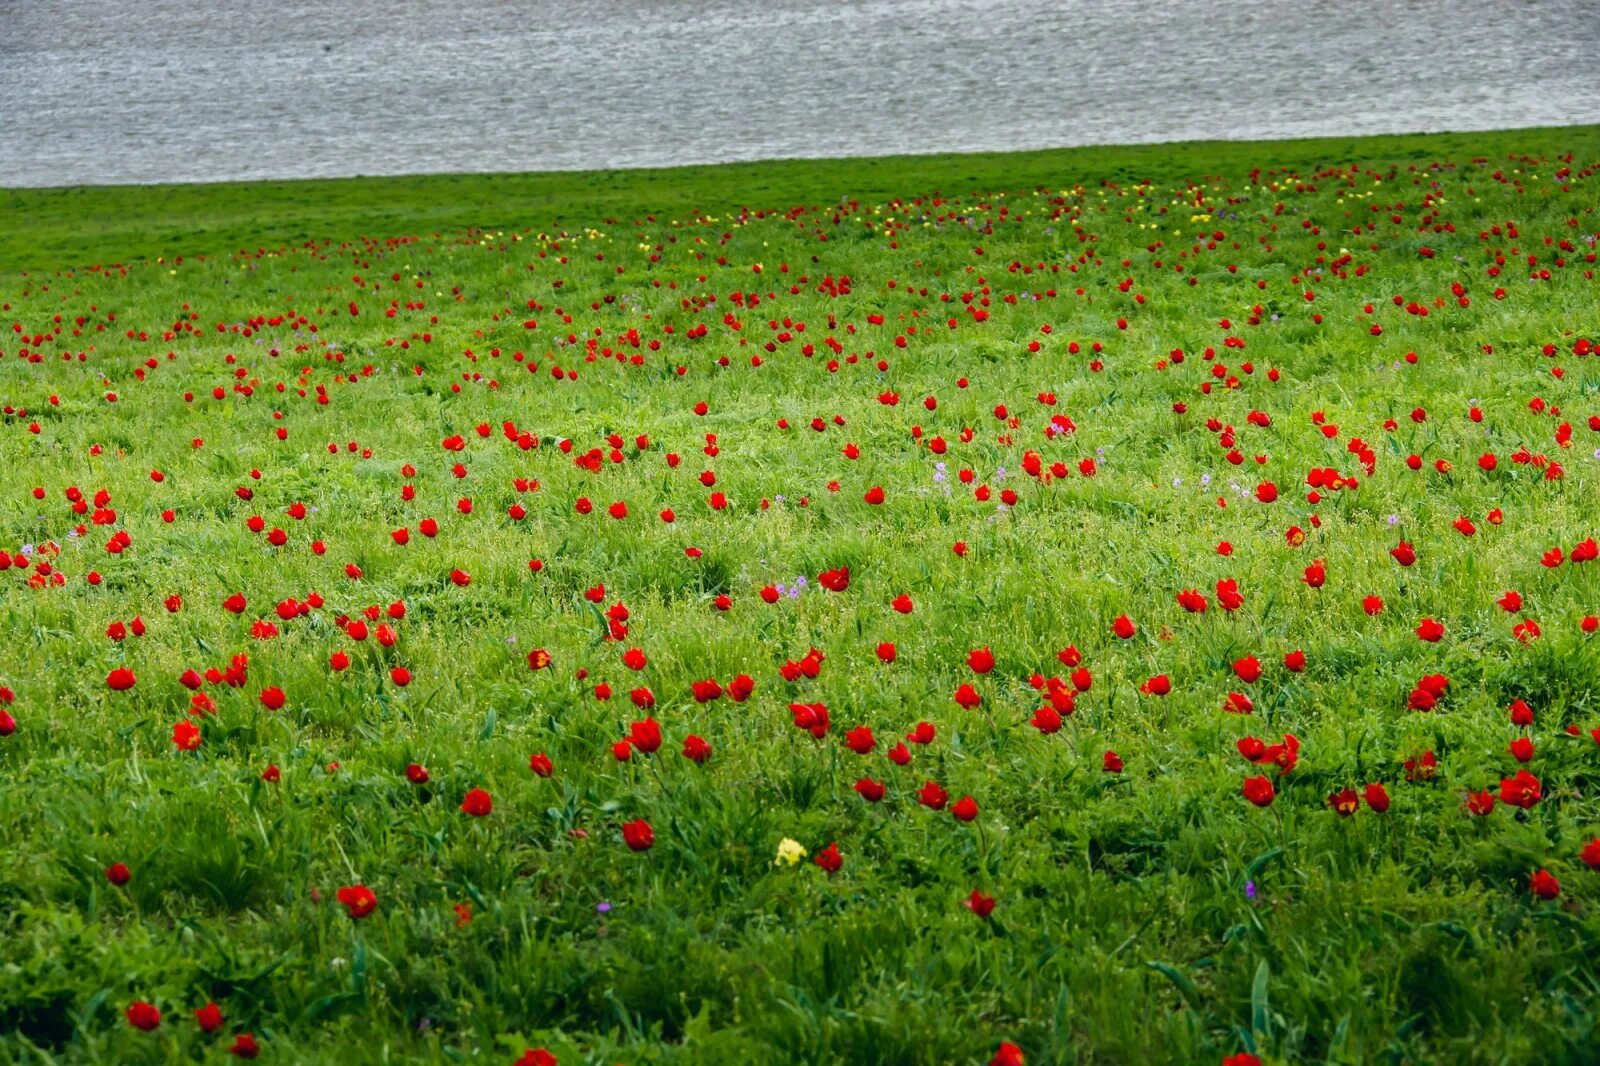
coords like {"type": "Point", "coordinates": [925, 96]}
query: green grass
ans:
{"type": "Point", "coordinates": [1123, 930]}
{"type": "Point", "coordinates": [46, 229]}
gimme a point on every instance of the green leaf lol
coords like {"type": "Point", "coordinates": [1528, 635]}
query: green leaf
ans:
{"type": "Point", "coordinates": [92, 1007]}
{"type": "Point", "coordinates": [329, 1004]}
{"type": "Point", "coordinates": [1341, 1033]}
{"type": "Point", "coordinates": [698, 1029]}
{"type": "Point", "coordinates": [1260, 1021]}
{"type": "Point", "coordinates": [1186, 986]}
{"type": "Point", "coordinates": [358, 966]}
{"type": "Point", "coordinates": [1257, 863]}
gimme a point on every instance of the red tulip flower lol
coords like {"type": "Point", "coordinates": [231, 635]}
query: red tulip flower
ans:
{"type": "Point", "coordinates": [638, 835]}
{"type": "Point", "coordinates": [209, 1018]}
{"type": "Point", "coordinates": [142, 1015]}
{"type": "Point", "coordinates": [979, 903]}
{"type": "Point", "coordinates": [537, 1056]}
{"type": "Point", "coordinates": [1522, 790]}
{"type": "Point", "coordinates": [477, 803]}
{"type": "Point", "coordinates": [1259, 791]}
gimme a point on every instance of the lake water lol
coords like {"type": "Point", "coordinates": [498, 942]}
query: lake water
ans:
{"type": "Point", "coordinates": [109, 91]}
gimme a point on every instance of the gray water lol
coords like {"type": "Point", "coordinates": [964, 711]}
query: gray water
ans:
{"type": "Point", "coordinates": [112, 91]}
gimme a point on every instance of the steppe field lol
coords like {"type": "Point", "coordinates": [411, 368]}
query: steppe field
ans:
{"type": "Point", "coordinates": [1094, 606]}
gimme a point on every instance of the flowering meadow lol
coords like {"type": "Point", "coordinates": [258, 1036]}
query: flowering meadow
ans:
{"type": "Point", "coordinates": [1113, 606]}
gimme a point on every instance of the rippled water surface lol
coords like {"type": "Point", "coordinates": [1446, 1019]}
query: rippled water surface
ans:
{"type": "Point", "coordinates": [105, 91]}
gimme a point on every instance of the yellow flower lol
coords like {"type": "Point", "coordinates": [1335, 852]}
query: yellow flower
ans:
{"type": "Point", "coordinates": [789, 852]}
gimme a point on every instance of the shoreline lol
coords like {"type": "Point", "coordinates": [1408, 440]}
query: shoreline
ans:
{"type": "Point", "coordinates": [667, 168]}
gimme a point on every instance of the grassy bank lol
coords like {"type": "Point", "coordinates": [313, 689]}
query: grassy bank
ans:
{"type": "Point", "coordinates": [1131, 605]}
{"type": "Point", "coordinates": [46, 229]}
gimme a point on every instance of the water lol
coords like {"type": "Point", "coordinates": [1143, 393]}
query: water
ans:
{"type": "Point", "coordinates": [110, 91]}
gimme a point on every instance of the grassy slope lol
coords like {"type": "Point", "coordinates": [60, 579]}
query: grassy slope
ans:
{"type": "Point", "coordinates": [51, 228]}
{"type": "Point", "coordinates": [1122, 933]}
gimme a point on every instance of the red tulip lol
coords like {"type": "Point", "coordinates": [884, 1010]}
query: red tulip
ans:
{"type": "Point", "coordinates": [1159, 685]}
{"type": "Point", "coordinates": [638, 835]}
{"type": "Point", "coordinates": [645, 735]}
{"type": "Point", "coordinates": [860, 740]}
{"type": "Point", "coordinates": [1008, 1054]}
{"type": "Point", "coordinates": [869, 790]}
{"type": "Point", "coordinates": [209, 1018]}
{"type": "Point", "coordinates": [186, 736]}
{"type": "Point", "coordinates": [143, 1016]}
{"type": "Point", "coordinates": [1591, 854]}
{"type": "Point", "coordinates": [1523, 790]}
{"type": "Point", "coordinates": [1259, 791]}
{"type": "Point", "coordinates": [536, 1057]}
{"type": "Point", "coordinates": [358, 900]}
